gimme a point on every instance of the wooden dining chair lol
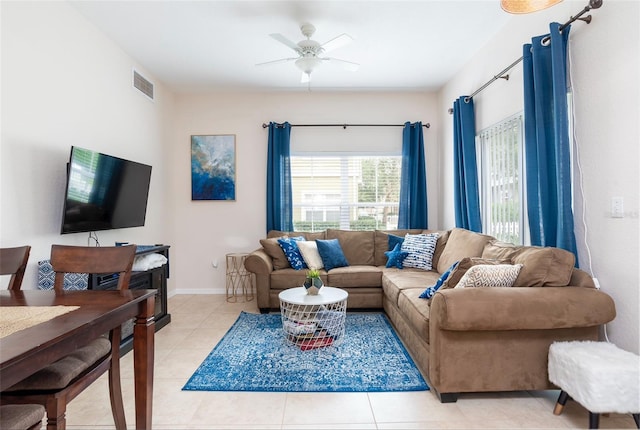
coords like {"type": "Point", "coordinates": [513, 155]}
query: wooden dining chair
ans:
{"type": "Point", "coordinates": [13, 261]}
{"type": "Point", "coordinates": [59, 383]}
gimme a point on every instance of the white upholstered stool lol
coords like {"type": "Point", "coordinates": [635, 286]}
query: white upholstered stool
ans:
{"type": "Point", "coordinates": [600, 376]}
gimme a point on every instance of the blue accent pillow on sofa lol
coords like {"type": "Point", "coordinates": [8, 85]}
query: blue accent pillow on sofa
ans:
{"type": "Point", "coordinates": [292, 252]}
{"type": "Point", "coordinates": [430, 291]}
{"type": "Point", "coordinates": [395, 240]}
{"type": "Point", "coordinates": [331, 253]}
{"type": "Point", "coordinates": [396, 256]}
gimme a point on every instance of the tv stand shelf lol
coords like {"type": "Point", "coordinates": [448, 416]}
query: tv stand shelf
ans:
{"type": "Point", "coordinates": [152, 279]}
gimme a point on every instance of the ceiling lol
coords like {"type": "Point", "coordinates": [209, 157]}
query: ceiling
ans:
{"type": "Point", "coordinates": [212, 45]}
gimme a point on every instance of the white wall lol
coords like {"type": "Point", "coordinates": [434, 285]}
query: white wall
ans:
{"type": "Point", "coordinates": [206, 230]}
{"type": "Point", "coordinates": [64, 83]}
{"type": "Point", "coordinates": [605, 57]}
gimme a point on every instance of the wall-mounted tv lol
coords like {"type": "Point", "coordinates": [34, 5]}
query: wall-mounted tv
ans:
{"type": "Point", "coordinates": [104, 192]}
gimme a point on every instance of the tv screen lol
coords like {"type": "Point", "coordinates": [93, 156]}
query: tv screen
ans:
{"type": "Point", "coordinates": [104, 192]}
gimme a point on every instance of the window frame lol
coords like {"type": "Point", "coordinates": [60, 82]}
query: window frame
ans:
{"type": "Point", "coordinates": [344, 207]}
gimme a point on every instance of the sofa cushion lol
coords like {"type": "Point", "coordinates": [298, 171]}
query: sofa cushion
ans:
{"type": "Point", "coordinates": [381, 239]}
{"type": "Point", "coordinates": [274, 250]}
{"type": "Point", "coordinates": [498, 250]}
{"type": "Point", "coordinates": [443, 238]}
{"type": "Point", "coordinates": [331, 253]}
{"type": "Point", "coordinates": [487, 275]}
{"type": "Point", "coordinates": [396, 256]}
{"type": "Point", "coordinates": [461, 244]}
{"type": "Point", "coordinates": [355, 276]}
{"type": "Point", "coordinates": [358, 246]}
{"type": "Point", "coordinates": [289, 278]}
{"type": "Point", "coordinates": [292, 252]}
{"type": "Point", "coordinates": [420, 248]}
{"type": "Point", "coordinates": [544, 267]}
{"type": "Point", "coordinates": [310, 254]}
{"type": "Point", "coordinates": [396, 280]}
{"type": "Point", "coordinates": [308, 235]}
{"type": "Point", "coordinates": [415, 311]}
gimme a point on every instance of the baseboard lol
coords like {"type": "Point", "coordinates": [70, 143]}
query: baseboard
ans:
{"type": "Point", "coordinates": [197, 291]}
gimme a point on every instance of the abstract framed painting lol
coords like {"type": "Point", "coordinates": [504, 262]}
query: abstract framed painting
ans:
{"type": "Point", "coordinates": [213, 167]}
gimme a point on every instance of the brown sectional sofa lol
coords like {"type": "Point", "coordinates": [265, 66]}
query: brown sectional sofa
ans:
{"type": "Point", "coordinates": [463, 340]}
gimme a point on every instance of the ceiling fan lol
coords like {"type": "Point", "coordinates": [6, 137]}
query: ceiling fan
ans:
{"type": "Point", "coordinates": [310, 53]}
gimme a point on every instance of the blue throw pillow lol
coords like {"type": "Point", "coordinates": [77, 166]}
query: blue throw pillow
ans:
{"type": "Point", "coordinates": [331, 253]}
{"type": "Point", "coordinates": [292, 252]}
{"type": "Point", "coordinates": [395, 240]}
{"type": "Point", "coordinates": [430, 291]}
{"type": "Point", "coordinates": [395, 257]}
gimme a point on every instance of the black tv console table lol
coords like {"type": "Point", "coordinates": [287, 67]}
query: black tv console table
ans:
{"type": "Point", "coordinates": [152, 279]}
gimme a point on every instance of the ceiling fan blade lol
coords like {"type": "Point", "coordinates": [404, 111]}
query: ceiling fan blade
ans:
{"type": "Point", "coordinates": [347, 65]}
{"type": "Point", "coordinates": [282, 60]}
{"type": "Point", "coordinates": [305, 78]}
{"type": "Point", "coordinates": [336, 42]}
{"type": "Point", "coordinates": [280, 38]}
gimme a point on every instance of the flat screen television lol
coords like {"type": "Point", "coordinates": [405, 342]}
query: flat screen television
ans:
{"type": "Point", "coordinates": [104, 192]}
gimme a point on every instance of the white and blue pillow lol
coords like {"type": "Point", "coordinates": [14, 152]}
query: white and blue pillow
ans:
{"type": "Point", "coordinates": [291, 251]}
{"type": "Point", "coordinates": [331, 253]}
{"type": "Point", "coordinates": [396, 256]}
{"type": "Point", "coordinates": [431, 291]}
{"type": "Point", "coordinates": [420, 248]}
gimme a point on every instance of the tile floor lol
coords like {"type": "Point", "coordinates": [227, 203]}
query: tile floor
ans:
{"type": "Point", "coordinates": [200, 321]}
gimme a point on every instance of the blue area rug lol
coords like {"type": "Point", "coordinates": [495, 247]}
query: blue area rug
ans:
{"type": "Point", "coordinates": [254, 356]}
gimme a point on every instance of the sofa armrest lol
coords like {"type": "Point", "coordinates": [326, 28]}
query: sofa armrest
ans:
{"type": "Point", "coordinates": [260, 264]}
{"type": "Point", "coordinates": [526, 308]}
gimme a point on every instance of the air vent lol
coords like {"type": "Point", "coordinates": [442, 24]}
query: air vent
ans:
{"type": "Point", "coordinates": [142, 84]}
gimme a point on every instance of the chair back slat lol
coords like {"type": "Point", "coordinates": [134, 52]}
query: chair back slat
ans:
{"type": "Point", "coordinates": [94, 260]}
{"type": "Point", "coordinates": [13, 261]}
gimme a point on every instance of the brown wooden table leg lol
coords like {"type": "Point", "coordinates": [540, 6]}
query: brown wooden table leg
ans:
{"type": "Point", "coordinates": [143, 349]}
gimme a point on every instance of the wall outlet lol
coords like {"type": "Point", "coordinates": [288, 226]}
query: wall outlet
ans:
{"type": "Point", "coordinates": [214, 264]}
{"type": "Point", "coordinates": [617, 207]}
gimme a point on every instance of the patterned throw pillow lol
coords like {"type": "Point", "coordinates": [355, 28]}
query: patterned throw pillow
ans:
{"type": "Point", "coordinates": [72, 281]}
{"type": "Point", "coordinates": [499, 275]}
{"type": "Point", "coordinates": [430, 291]}
{"type": "Point", "coordinates": [420, 248]}
{"type": "Point", "coordinates": [396, 257]}
{"type": "Point", "coordinates": [290, 249]}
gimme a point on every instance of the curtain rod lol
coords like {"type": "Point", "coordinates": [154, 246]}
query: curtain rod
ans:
{"type": "Point", "coordinates": [427, 125]}
{"type": "Point", "coordinates": [593, 4]}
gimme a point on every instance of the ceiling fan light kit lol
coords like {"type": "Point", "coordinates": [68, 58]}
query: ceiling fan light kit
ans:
{"type": "Point", "coordinates": [310, 52]}
{"type": "Point", "coordinates": [526, 6]}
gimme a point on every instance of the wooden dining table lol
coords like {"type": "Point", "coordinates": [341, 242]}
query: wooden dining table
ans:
{"type": "Point", "coordinates": [26, 351]}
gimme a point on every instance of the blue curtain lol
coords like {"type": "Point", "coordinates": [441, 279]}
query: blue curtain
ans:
{"type": "Point", "coordinates": [279, 195]}
{"type": "Point", "coordinates": [465, 169]}
{"type": "Point", "coordinates": [547, 144]}
{"type": "Point", "coordinates": [413, 179]}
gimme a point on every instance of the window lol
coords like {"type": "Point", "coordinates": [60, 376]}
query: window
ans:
{"type": "Point", "coordinates": [501, 177]}
{"type": "Point", "coordinates": [349, 192]}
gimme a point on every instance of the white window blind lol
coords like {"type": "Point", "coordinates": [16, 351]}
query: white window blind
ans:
{"type": "Point", "coordinates": [501, 172]}
{"type": "Point", "coordinates": [349, 192]}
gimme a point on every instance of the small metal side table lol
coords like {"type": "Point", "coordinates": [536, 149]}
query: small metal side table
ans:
{"type": "Point", "coordinates": [239, 280]}
{"type": "Point", "coordinates": [310, 321]}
